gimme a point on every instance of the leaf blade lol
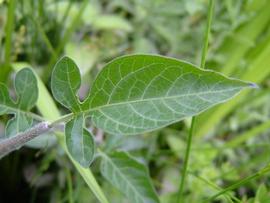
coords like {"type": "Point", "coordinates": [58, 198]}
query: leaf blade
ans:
{"type": "Point", "coordinates": [26, 89]}
{"type": "Point", "coordinates": [66, 80]}
{"type": "Point", "coordinates": [80, 142]}
{"type": "Point", "coordinates": [129, 176]}
{"type": "Point", "coordinates": [6, 104]}
{"type": "Point", "coordinates": [27, 94]}
{"type": "Point", "coordinates": [139, 93]}
{"type": "Point", "coordinates": [19, 123]}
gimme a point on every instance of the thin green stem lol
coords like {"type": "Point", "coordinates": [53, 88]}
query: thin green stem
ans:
{"type": "Point", "coordinates": [69, 185]}
{"type": "Point", "coordinates": [228, 197]}
{"type": "Point", "coordinates": [61, 119]}
{"type": "Point", "coordinates": [207, 33]}
{"type": "Point", "coordinates": [190, 136]}
{"type": "Point", "coordinates": [45, 38]}
{"type": "Point", "coordinates": [258, 174]}
{"type": "Point", "coordinates": [64, 18]}
{"type": "Point", "coordinates": [9, 29]}
{"type": "Point", "coordinates": [185, 167]}
{"type": "Point", "coordinates": [8, 40]}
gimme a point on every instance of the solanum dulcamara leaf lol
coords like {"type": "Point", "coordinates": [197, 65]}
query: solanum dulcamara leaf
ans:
{"type": "Point", "coordinates": [140, 93]}
{"type": "Point", "coordinates": [132, 95]}
{"type": "Point", "coordinates": [26, 97]}
{"type": "Point", "coordinates": [65, 82]}
{"type": "Point", "coordinates": [129, 176]}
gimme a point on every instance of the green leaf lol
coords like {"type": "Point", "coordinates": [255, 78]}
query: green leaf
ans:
{"type": "Point", "coordinates": [80, 142]}
{"type": "Point", "coordinates": [135, 94]}
{"type": "Point", "coordinates": [6, 104]}
{"type": "Point", "coordinates": [139, 93]}
{"type": "Point", "coordinates": [262, 195]}
{"type": "Point", "coordinates": [19, 123]}
{"type": "Point", "coordinates": [27, 94]}
{"type": "Point", "coordinates": [26, 89]}
{"type": "Point", "coordinates": [66, 81]}
{"type": "Point", "coordinates": [129, 176]}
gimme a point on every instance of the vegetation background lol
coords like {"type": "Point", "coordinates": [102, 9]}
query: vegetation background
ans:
{"type": "Point", "coordinates": [231, 141]}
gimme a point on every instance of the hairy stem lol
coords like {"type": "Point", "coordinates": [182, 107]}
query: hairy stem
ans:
{"type": "Point", "coordinates": [10, 144]}
{"type": "Point", "coordinates": [190, 136]}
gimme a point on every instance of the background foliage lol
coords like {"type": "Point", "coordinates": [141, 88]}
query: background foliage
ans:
{"type": "Point", "coordinates": [231, 141]}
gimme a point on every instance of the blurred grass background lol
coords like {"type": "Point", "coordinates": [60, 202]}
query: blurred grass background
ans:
{"type": "Point", "coordinates": [231, 141]}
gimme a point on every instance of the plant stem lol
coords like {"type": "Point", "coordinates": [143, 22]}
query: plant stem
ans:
{"type": "Point", "coordinates": [44, 37]}
{"type": "Point", "coordinates": [190, 136]}
{"type": "Point", "coordinates": [10, 144]}
{"type": "Point", "coordinates": [9, 29]}
{"type": "Point", "coordinates": [69, 186]}
{"type": "Point", "coordinates": [207, 33]}
{"type": "Point", "coordinates": [228, 197]}
{"type": "Point", "coordinates": [62, 119]}
{"type": "Point", "coordinates": [185, 167]}
{"type": "Point", "coordinates": [63, 20]}
{"type": "Point", "coordinates": [8, 40]}
{"type": "Point", "coordinates": [258, 174]}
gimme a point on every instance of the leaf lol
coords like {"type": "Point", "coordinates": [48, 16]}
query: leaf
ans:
{"type": "Point", "coordinates": [86, 56]}
{"type": "Point", "coordinates": [80, 142]}
{"type": "Point", "coordinates": [129, 176]}
{"type": "Point", "coordinates": [19, 123]}
{"type": "Point", "coordinates": [26, 89]}
{"type": "Point", "coordinates": [27, 94]}
{"type": "Point", "coordinates": [135, 94]}
{"type": "Point", "coordinates": [139, 93]}
{"type": "Point", "coordinates": [262, 195]}
{"type": "Point", "coordinates": [66, 81]}
{"type": "Point", "coordinates": [6, 104]}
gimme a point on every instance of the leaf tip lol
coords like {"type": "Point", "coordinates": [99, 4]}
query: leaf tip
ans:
{"type": "Point", "coordinates": [65, 58]}
{"type": "Point", "coordinates": [253, 85]}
